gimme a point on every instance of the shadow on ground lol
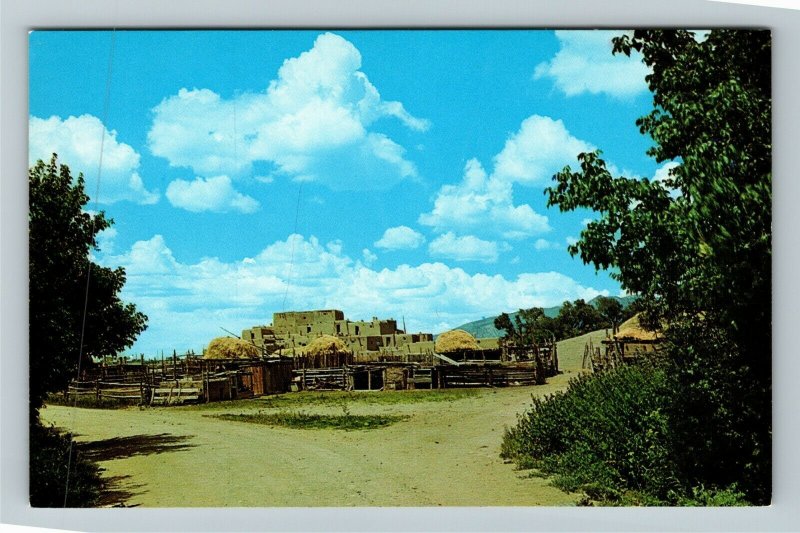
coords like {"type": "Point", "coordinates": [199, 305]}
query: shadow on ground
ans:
{"type": "Point", "coordinates": [117, 490]}
{"type": "Point", "coordinates": [123, 447]}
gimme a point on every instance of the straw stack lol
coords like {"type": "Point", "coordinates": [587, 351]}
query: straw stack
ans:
{"type": "Point", "coordinates": [456, 340]}
{"type": "Point", "coordinates": [230, 348]}
{"type": "Point", "coordinates": [326, 345]}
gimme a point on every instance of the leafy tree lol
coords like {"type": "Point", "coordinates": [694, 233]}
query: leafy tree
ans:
{"type": "Point", "coordinates": [74, 303]}
{"type": "Point", "coordinates": [529, 326]}
{"type": "Point", "coordinates": [697, 246]}
{"type": "Point", "coordinates": [611, 311]}
{"type": "Point", "coordinates": [577, 318]}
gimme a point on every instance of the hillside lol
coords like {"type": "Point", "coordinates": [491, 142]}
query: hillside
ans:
{"type": "Point", "coordinates": [484, 328]}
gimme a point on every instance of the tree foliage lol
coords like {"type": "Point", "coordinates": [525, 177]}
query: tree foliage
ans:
{"type": "Point", "coordinates": [697, 246]}
{"type": "Point", "coordinates": [532, 326]}
{"type": "Point", "coordinates": [74, 305]}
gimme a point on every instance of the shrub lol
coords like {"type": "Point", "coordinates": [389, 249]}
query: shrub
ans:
{"type": "Point", "coordinates": [606, 434]}
{"type": "Point", "coordinates": [52, 454]}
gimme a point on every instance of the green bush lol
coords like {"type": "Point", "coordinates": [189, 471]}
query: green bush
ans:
{"type": "Point", "coordinates": [49, 461]}
{"type": "Point", "coordinates": [647, 434]}
{"type": "Point", "coordinates": [606, 435]}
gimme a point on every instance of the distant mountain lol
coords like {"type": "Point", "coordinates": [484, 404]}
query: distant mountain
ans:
{"type": "Point", "coordinates": [484, 328]}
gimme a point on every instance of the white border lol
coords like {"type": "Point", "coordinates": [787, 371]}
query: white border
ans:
{"type": "Point", "coordinates": [18, 18]}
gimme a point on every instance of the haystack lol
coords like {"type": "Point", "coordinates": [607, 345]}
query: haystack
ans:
{"type": "Point", "coordinates": [230, 348]}
{"type": "Point", "coordinates": [326, 345]}
{"type": "Point", "coordinates": [456, 340]}
{"type": "Point", "coordinates": [631, 329]}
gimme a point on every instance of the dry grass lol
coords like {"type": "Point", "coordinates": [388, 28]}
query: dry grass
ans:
{"type": "Point", "coordinates": [230, 348]}
{"type": "Point", "coordinates": [326, 345]}
{"type": "Point", "coordinates": [455, 341]}
{"type": "Point", "coordinates": [632, 329]}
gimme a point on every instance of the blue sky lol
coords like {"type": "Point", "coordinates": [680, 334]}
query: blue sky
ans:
{"type": "Point", "coordinates": [385, 173]}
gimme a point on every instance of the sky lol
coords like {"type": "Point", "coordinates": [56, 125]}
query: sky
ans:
{"type": "Point", "coordinates": [397, 174]}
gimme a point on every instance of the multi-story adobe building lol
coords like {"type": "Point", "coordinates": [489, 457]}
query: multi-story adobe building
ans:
{"type": "Point", "coordinates": [295, 329]}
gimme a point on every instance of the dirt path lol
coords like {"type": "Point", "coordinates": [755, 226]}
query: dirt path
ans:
{"type": "Point", "coordinates": [445, 453]}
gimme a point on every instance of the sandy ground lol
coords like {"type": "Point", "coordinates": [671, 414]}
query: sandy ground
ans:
{"type": "Point", "coordinates": [445, 453]}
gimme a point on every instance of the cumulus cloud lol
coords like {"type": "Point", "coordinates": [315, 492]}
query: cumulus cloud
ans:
{"type": "Point", "coordinates": [368, 257]}
{"type": "Point", "coordinates": [188, 302]}
{"type": "Point", "coordinates": [79, 141]}
{"type": "Point", "coordinates": [466, 248]}
{"type": "Point", "coordinates": [544, 244]}
{"type": "Point", "coordinates": [106, 239]}
{"type": "Point", "coordinates": [664, 178]}
{"type": "Point", "coordinates": [312, 123]}
{"type": "Point", "coordinates": [400, 238]}
{"type": "Point", "coordinates": [540, 148]}
{"type": "Point", "coordinates": [215, 194]}
{"type": "Point", "coordinates": [585, 64]}
{"type": "Point", "coordinates": [481, 201]}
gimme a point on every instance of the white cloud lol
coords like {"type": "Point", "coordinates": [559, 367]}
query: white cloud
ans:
{"type": "Point", "coordinates": [312, 123]}
{"type": "Point", "coordinates": [215, 194]}
{"type": "Point", "coordinates": [483, 203]}
{"type": "Point", "coordinates": [543, 244]}
{"type": "Point", "coordinates": [663, 177]}
{"type": "Point", "coordinates": [585, 64]}
{"type": "Point", "coordinates": [400, 238]}
{"type": "Point", "coordinates": [466, 248]}
{"type": "Point", "coordinates": [368, 257]}
{"type": "Point", "coordinates": [78, 142]}
{"type": "Point", "coordinates": [540, 148]}
{"type": "Point", "coordinates": [187, 303]}
{"type": "Point", "coordinates": [105, 239]}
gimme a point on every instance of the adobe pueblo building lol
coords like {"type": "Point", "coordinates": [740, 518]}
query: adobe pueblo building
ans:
{"type": "Point", "coordinates": [293, 330]}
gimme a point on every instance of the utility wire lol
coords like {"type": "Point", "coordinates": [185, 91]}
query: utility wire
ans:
{"type": "Point", "coordinates": [106, 104]}
{"type": "Point", "coordinates": [291, 255]}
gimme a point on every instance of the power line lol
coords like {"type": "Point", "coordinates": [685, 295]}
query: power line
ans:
{"type": "Point", "coordinates": [106, 105]}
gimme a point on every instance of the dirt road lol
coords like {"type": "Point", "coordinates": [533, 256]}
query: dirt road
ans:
{"type": "Point", "coordinates": [445, 453]}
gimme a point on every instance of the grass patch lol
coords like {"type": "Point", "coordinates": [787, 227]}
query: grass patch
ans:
{"type": "Point", "coordinates": [310, 421]}
{"type": "Point", "coordinates": [301, 399]}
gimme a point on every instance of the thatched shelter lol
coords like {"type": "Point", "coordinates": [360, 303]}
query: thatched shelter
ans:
{"type": "Point", "coordinates": [456, 340]}
{"type": "Point", "coordinates": [230, 348]}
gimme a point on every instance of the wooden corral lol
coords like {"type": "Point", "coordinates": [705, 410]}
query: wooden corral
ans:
{"type": "Point", "coordinates": [403, 376]}
{"type": "Point", "coordinates": [629, 344]}
{"type": "Point", "coordinates": [544, 355]}
{"type": "Point", "coordinates": [488, 375]}
{"type": "Point", "coordinates": [123, 392]}
{"type": "Point", "coordinates": [187, 379]}
{"type": "Point", "coordinates": [190, 378]}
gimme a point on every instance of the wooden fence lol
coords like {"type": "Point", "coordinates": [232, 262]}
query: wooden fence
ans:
{"type": "Point", "coordinates": [105, 390]}
{"type": "Point", "coordinates": [480, 375]}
